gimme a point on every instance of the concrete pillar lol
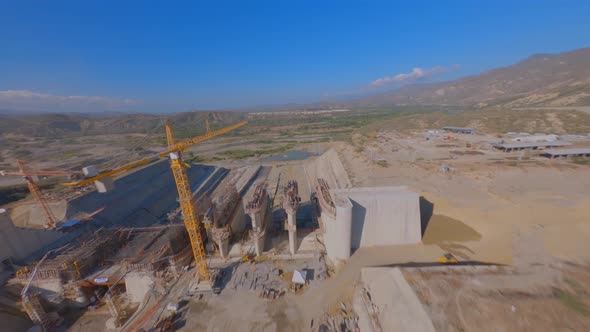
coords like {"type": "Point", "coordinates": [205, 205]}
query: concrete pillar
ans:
{"type": "Point", "coordinates": [221, 237]}
{"type": "Point", "coordinates": [258, 209]}
{"type": "Point", "coordinates": [258, 230]}
{"type": "Point", "coordinates": [223, 245]}
{"type": "Point", "coordinates": [259, 238]}
{"type": "Point", "coordinates": [291, 205]}
{"type": "Point", "coordinates": [338, 231]}
{"type": "Point", "coordinates": [291, 227]}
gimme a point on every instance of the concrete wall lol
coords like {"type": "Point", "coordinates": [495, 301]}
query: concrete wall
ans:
{"type": "Point", "coordinates": [375, 216]}
{"type": "Point", "coordinates": [139, 199]}
{"type": "Point", "coordinates": [19, 243]}
{"type": "Point", "coordinates": [238, 221]}
{"type": "Point", "coordinates": [337, 232]}
{"type": "Point", "coordinates": [385, 216]}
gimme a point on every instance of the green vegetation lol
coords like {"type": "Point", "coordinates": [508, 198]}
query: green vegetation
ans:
{"type": "Point", "coordinates": [214, 158]}
{"type": "Point", "coordinates": [69, 155]}
{"type": "Point", "coordinates": [581, 161]}
{"type": "Point", "coordinates": [192, 158]}
{"type": "Point", "coordinates": [319, 140]}
{"type": "Point", "coordinates": [265, 141]}
{"type": "Point", "coordinates": [22, 153]}
{"type": "Point", "coordinates": [69, 141]}
{"type": "Point", "coordinates": [571, 301]}
{"type": "Point", "coordinates": [241, 154]}
{"type": "Point", "coordinates": [15, 193]}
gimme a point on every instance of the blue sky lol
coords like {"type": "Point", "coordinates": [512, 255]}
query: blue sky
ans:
{"type": "Point", "coordinates": [175, 56]}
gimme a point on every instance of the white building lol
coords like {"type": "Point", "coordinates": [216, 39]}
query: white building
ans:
{"type": "Point", "coordinates": [536, 138]}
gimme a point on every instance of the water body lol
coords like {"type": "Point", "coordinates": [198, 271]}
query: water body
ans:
{"type": "Point", "coordinates": [290, 155]}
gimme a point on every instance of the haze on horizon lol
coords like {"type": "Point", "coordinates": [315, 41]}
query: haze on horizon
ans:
{"type": "Point", "coordinates": [108, 56]}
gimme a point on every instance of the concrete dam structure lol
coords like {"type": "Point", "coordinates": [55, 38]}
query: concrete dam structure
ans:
{"type": "Point", "coordinates": [363, 217]}
{"type": "Point", "coordinates": [141, 198]}
{"type": "Point", "coordinates": [259, 210]}
{"type": "Point", "coordinates": [328, 167]}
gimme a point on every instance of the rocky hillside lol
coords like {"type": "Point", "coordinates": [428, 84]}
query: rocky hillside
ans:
{"type": "Point", "coordinates": [540, 80]}
{"type": "Point", "coordinates": [64, 125]}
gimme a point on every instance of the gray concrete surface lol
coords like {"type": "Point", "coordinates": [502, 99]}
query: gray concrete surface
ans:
{"type": "Point", "coordinates": [139, 199]}
{"type": "Point", "coordinates": [383, 216]}
{"type": "Point", "coordinates": [371, 216]}
{"type": "Point", "coordinates": [337, 231]}
{"type": "Point", "coordinates": [137, 286]}
{"type": "Point", "coordinates": [18, 243]}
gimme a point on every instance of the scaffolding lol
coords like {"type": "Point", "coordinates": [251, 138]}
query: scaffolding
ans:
{"type": "Point", "coordinates": [76, 261]}
{"type": "Point", "coordinates": [325, 198]}
{"type": "Point", "coordinates": [258, 198]}
{"type": "Point", "coordinates": [32, 304]}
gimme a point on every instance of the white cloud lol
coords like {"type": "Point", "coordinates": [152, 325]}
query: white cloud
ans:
{"type": "Point", "coordinates": [34, 101]}
{"type": "Point", "coordinates": [406, 78]}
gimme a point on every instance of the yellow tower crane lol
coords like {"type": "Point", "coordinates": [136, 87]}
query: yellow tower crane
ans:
{"type": "Point", "coordinates": [28, 175]}
{"type": "Point", "coordinates": [185, 194]}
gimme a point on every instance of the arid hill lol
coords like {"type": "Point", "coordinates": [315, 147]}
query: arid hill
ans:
{"type": "Point", "coordinates": [71, 125]}
{"type": "Point", "coordinates": [540, 80]}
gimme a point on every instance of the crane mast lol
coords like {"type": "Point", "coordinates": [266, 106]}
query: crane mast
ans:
{"type": "Point", "coordinates": [187, 205]}
{"type": "Point", "coordinates": [36, 192]}
{"type": "Point", "coordinates": [185, 194]}
{"type": "Point", "coordinates": [189, 212]}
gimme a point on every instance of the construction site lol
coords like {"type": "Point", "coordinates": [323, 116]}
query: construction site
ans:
{"type": "Point", "coordinates": [332, 242]}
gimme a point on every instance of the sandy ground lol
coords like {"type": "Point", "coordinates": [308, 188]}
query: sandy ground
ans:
{"type": "Point", "coordinates": [244, 311]}
{"type": "Point", "coordinates": [469, 299]}
{"type": "Point", "coordinates": [481, 212]}
{"type": "Point", "coordinates": [482, 205]}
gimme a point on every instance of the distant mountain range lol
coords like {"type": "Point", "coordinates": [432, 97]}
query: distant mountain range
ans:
{"type": "Point", "coordinates": [548, 80]}
{"type": "Point", "coordinates": [75, 124]}
{"type": "Point", "coordinates": [540, 80]}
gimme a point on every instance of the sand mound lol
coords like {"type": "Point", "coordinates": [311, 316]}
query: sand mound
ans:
{"type": "Point", "coordinates": [32, 215]}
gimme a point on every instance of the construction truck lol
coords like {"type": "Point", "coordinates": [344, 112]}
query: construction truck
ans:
{"type": "Point", "coordinates": [448, 259]}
